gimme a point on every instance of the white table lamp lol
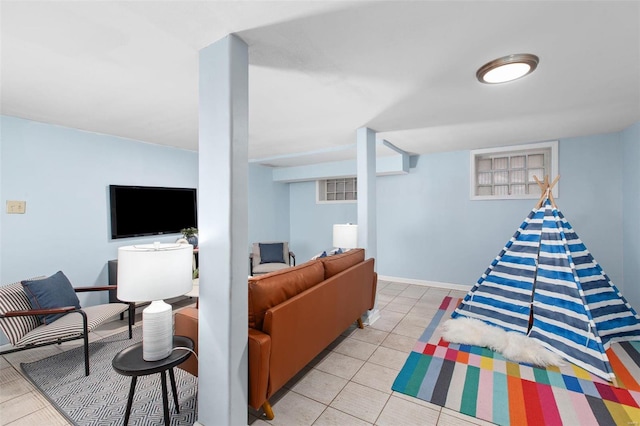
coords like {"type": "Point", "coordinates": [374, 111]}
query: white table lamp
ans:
{"type": "Point", "coordinates": [345, 236]}
{"type": "Point", "coordinates": [152, 272]}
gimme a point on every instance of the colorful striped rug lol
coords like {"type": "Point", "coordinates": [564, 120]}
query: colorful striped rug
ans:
{"type": "Point", "coordinates": [481, 383]}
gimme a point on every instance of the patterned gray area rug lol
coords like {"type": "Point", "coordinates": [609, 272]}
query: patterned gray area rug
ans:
{"type": "Point", "coordinates": [101, 398]}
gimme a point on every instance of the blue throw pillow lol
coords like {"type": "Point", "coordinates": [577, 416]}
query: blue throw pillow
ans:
{"type": "Point", "coordinates": [324, 254]}
{"type": "Point", "coordinates": [53, 292]}
{"type": "Point", "coordinates": [271, 253]}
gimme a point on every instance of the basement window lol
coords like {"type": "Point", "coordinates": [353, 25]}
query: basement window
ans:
{"type": "Point", "coordinates": [508, 172]}
{"type": "Point", "coordinates": [341, 190]}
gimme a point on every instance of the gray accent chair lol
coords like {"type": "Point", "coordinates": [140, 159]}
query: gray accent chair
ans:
{"type": "Point", "coordinates": [256, 267]}
{"type": "Point", "coordinates": [20, 323]}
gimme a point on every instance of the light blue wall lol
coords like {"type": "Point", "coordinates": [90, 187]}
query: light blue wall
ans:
{"type": "Point", "coordinates": [429, 229]}
{"type": "Point", "coordinates": [268, 206]}
{"type": "Point", "coordinates": [631, 214]}
{"type": "Point", "coordinates": [2, 201]}
{"type": "Point", "coordinates": [591, 197]}
{"type": "Point", "coordinates": [311, 227]}
{"type": "Point", "coordinates": [63, 174]}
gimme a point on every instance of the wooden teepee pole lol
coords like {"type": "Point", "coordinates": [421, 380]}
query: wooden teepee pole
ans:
{"type": "Point", "coordinates": [546, 190]}
{"type": "Point", "coordinates": [543, 190]}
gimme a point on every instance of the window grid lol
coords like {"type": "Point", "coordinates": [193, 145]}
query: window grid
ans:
{"type": "Point", "coordinates": [338, 190]}
{"type": "Point", "coordinates": [509, 172]}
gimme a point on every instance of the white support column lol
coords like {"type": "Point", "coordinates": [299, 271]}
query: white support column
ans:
{"type": "Point", "coordinates": [366, 168]}
{"type": "Point", "coordinates": [223, 239]}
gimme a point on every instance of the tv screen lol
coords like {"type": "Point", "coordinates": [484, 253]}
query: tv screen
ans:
{"type": "Point", "coordinates": [146, 210]}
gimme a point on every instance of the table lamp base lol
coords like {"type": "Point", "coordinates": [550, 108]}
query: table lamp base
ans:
{"type": "Point", "coordinates": [157, 331]}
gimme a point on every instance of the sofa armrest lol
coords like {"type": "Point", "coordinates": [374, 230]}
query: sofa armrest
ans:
{"type": "Point", "coordinates": [186, 324]}
{"type": "Point", "coordinates": [259, 356]}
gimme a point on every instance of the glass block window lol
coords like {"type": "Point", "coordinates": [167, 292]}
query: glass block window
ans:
{"type": "Point", "coordinates": [508, 172]}
{"type": "Point", "coordinates": [341, 190]}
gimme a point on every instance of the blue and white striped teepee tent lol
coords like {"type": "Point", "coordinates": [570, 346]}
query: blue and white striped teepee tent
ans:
{"type": "Point", "coordinates": [545, 283]}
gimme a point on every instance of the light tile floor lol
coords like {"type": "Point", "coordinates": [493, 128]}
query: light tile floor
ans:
{"type": "Point", "coordinates": [349, 383]}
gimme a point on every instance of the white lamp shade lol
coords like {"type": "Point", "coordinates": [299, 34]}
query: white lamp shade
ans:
{"type": "Point", "coordinates": [156, 271]}
{"type": "Point", "coordinates": [345, 236]}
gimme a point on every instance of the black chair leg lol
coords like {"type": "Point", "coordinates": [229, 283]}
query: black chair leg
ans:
{"type": "Point", "coordinates": [132, 313]}
{"type": "Point", "coordinates": [85, 330]}
{"type": "Point", "coordinates": [86, 353]}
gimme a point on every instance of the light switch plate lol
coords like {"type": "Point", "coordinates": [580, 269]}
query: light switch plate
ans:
{"type": "Point", "coordinates": [16, 207]}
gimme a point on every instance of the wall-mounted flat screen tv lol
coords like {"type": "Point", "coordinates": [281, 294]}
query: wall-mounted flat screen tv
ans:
{"type": "Point", "coordinates": [147, 210]}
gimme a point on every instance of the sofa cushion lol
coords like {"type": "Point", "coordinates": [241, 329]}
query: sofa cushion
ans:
{"type": "Point", "coordinates": [52, 292]}
{"type": "Point", "coordinates": [267, 291]}
{"type": "Point", "coordinates": [333, 265]}
{"type": "Point", "coordinates": [72, 324]}
{"type": "Point", "coordinates": [265, 268]}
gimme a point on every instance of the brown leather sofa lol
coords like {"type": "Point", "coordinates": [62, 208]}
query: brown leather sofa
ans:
{"type": "Point", "coordinates": [294, 314]}
{"type": "Point", "coordinates": [186, 324]}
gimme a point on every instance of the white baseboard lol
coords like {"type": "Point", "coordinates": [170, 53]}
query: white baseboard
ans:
{"type": "Point", "coordinates": [449, 286]}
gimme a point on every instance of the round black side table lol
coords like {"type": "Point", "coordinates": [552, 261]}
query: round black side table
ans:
{"type": "Point", "coordinates": [129, 362]}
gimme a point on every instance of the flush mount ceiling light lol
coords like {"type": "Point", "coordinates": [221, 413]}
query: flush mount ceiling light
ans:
{"type": "Point", "coordinates": [507, 68]}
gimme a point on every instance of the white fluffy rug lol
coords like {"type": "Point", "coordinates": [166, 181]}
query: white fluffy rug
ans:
{"type": "Point", "coordinates": [513, 346]}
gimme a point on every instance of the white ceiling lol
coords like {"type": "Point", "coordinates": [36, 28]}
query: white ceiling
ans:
{"type": "Point", "coordinates": [320, 70]}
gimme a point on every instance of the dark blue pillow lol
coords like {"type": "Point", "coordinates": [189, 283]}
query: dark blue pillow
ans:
{"type": "Point", "coordinates": [271, 253]}
{"type": "Point", "coordinates": [324, 254]}
{"type": "Point", "coordinates": [53, 292]}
